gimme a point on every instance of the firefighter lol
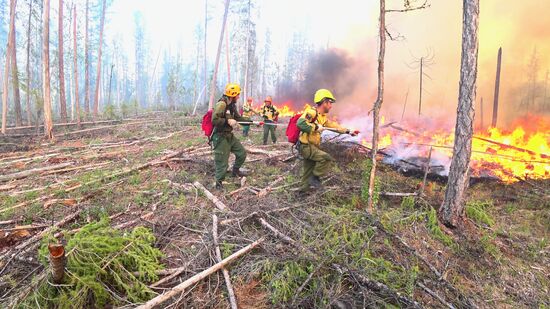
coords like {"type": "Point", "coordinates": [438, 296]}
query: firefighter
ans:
{"type": "Point", "coordinates": [270, 115]}
{"type": "Point", "coordinates": [311, 124]}
{"type": "Point", "coordinates": [224, 119]}
{"type": "Point", "coordinates": [248, 111]}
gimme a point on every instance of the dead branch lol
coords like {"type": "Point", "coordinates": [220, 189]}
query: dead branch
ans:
{"type": "Point", "coordinates": [40, 235]}
{"type": "Point", "coordinates": [263, 192]}
{"type": "Point", "coordinates": [373, 285]}
{"type": "Point", "coordinates": [198, 277]}
{"type": "Point", "coordinates": [409, 9]}
{"type": "Point", "coordinates": [221, 206]}
{"type": "Point", "coordinates": [32, 286]}
{"type": "Point", "coordinates": [504, 146]}
{"type": "Point", "coordinates": [230, 292]}
{"type": "Point", "coordinates": [132, 222]}
{"type": "Point", "coordinates": [426, 170]}
{"type": "Point", "coordinates": [27, 173]}
{"type": "Point", "coordinates": [398, 194]}
{"type": "Point", "coordinates": [435, 295]}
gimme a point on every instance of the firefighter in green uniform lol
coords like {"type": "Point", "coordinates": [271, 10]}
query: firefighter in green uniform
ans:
{"type": "Point", "coordinates": [269, 113]}
{"type": "Point", "coordinates": [224, 119]}
{"type": "Point", "coordinates": [248, 111]}
{"type": "Point", "coordinates": [312, 122]}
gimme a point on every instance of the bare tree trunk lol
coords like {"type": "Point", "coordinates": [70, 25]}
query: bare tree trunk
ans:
{"type": "Point", "coordinates": [9, 50]}
{"type": "Point", "coordinates": [227, 56]}
{"type": "Point", "coordinates": [29, 79]}
{"type": "Point", "coordinates": [245, 93]}
{"type": "Point", "coordinates": [481, 116]}
{"type": "Point", "coordinates": [545, 106]}
{"type": "Point", "coordinates": [75, 69]}
{"type": "Point", "coordinates": [378, 103]}
{"type": "Point", "coordinates": [205, 52]}
{"type": "Point", "coordinates": [420, 90]}
{"type": "Point", "coordinates": [62, 100]}
{"type": "Point", "coordinates": [497, 89]}
{"type": "Point", "coordinates": [15, 76]}
{"type": "Point", "coordinates": [110, 80]}
{"type": "Point", "coordinates": [86, 66]}
{"type": "Point", "coordinates": [216, 65]}
{"type": "Point", "coordinates": [98, 79]}
{"type": "Point", "coordinates": [452, 209]}
{"type": "Point", "coordinates": [48, 122]}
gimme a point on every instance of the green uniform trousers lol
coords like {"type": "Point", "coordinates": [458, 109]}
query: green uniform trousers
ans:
{"type": "Point", "coordinates": [246, 128]}
{"type": "Point", "coordinates": [316, 163]}
{"type": "Point", "coordinates": [267, 129]}
{"type": "Point", "coordinates": [224, 144]}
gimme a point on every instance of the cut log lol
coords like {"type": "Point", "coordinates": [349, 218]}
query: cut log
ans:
{"type": "Point", "coordinates": [27, 173]}
{"type": "Point", "coordinates": [210, 196]}
{"type": "Point", "coordinates": [198, 277]}
{"type": "Point", "coordinates": [263, 192]}
{"type": "Point", "coordinates": [230, 292]}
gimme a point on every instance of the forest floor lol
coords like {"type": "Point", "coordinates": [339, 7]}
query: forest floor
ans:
{"type": "Point", "coordinates": [142, 173]}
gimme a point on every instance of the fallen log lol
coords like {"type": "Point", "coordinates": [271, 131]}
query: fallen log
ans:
{"type": "Point", "coordinates": [230, 292]}
{"type": "Point", "coordinates": [398, 194]}
{"type": "Point", "coordinates": [27, 173]}
{"type": "Point", "coordinates": [505, 146]}
{"type": "Point", "coordinates": [198, 277]}
{"type": "Point", "coordinates": [210, 196]}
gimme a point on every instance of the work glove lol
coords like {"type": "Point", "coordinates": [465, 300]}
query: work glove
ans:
{"type": "Point", "coordinates": [232, 122]}
{"type": "Point", "coordinates": [320, 128]}
{"type": "Point", "coordinates": [352, 133]}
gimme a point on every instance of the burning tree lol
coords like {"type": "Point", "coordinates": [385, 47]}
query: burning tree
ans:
{"type": "Point", "coordinates": [452, 209]}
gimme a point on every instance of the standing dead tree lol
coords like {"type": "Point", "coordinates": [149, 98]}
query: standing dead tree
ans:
{"type": "Point", "coordinates": [380, 93]}
{"type": "Point", "coordinates": [48, 122]}
{"type": "Point", "coordinates": [216, 65]}
{"type": "Point", "coordinates": [29, 79]}
{"type": "Point", "coordinates": [62, 100]}
{"type": "Point", "coordinates": [15, 74]}
{"type": "Point", "coordinates": [98, 78]}
{"type": "Point", "coordinates": [452, 209]}
{"type": "Point", "coordinates": [497, 89]}
{"type": "Point", "coordinates": [10, 49]}
{"type": "Point", "coordinates": [75, 68]}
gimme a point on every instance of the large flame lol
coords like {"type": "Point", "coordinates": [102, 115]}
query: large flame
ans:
{"type": "Point", "coordinates": [511, 155]}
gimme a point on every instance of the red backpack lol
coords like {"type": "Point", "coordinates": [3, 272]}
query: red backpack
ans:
{"type": "Point", "coordinates": [207, 125]}
{"type": "Point", "coordinates": [292, 131]}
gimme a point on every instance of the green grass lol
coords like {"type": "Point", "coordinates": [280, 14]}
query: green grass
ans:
{"type": "Point", "coordinates": [433, 227]}
{"type": "Point", "coordinates": [478, 211]}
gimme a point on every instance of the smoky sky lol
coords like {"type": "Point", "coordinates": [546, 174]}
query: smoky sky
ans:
{"type": "Point", "coordinates": [328, 69]}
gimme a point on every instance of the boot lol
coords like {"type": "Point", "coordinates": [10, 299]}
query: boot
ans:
{"type": "Point", "coordinates": [219, 185]}
{"type": "Point", "coordinates": [315, 182]}
{"type": "Point", "coordinates": [236, 172]}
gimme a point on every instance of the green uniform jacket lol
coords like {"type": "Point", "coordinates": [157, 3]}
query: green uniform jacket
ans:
{"type": "Point", "coordinates": [224, 111]}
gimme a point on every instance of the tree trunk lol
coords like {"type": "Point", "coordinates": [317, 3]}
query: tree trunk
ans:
{"type": "Point", "coordinates": [452, 209]}
{"type": "Point", "coordinates": [48, 123]}
{"type": "Point", "coordinates": [62, 100]}
{"type": "Point", "coordinates": [216, 65]}
{"type": "Point", "coordinates": [15, 76]}
{"type": "Point", "coordinates": [497, 89]}
{"type": "Point", "coordinates": [378, 103]}
{"type": "Point", "coordinates": [75, 69]}
{"type": "Point", "coordinates": [481, 125]}
{"type": "Point", "coordinates": [97, 83]}
{"type": "Point", "coordinates": [110, 79]}
{"type": "Point", "coordinates": [205, 36]}
{"type": "Point", "coordinates": [86, 66]}
{"type": "Point", "coordinates": [420, 89]}
{"type": "Point", "coordinates": [10, 48]}
{"type": "Point", "coordinates": [247, 58]}
{"type": "Point", "coordinates": [29, 79]}
{"type": "Point", "coordinates": [227, 56]}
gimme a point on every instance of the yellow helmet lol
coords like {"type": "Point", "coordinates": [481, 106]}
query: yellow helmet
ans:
{"type": "Point", "coordinates": [322, 94]}
{"type": "Point", "coordinates": [232, 90]}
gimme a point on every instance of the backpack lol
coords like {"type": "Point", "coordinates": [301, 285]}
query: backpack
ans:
{"type": "Point", "coordinates": [207, 126]}
{"type": "Point", "coordinates": [292, 131]}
